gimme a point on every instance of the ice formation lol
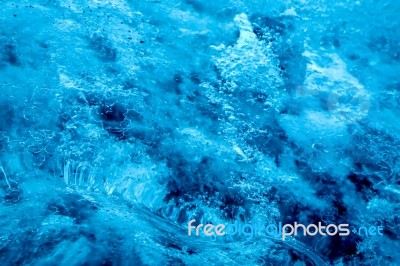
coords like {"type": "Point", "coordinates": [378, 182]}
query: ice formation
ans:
{"type": "Point", "coordinates": [122, 120]}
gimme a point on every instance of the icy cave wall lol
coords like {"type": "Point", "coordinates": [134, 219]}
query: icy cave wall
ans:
{"type": "Point", "coordinates": [116, 113]}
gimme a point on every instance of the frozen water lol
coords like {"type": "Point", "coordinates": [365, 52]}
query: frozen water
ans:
{"type": "Point", "coordinates": [122, 120]}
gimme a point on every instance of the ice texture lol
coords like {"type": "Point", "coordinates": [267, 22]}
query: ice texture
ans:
{"type": "Point", "coordinates": [123, 120]}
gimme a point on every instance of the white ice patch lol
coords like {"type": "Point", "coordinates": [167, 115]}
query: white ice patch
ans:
{"type": "Point", "coordinates": [240, 152]}
{"type": "Point", "coordinates": [249, 64]}
{"type": "Point", "coordinates": [327, 75]}
{"type": "Point", "coordinates": [290, 12]}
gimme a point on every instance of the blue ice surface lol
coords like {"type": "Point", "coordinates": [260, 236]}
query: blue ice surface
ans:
{"type": "Point", "coordinates": [121, 120]}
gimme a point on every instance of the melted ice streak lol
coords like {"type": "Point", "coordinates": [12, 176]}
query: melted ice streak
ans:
{"type": "Point", "coordinates": [248, 65]}
{"type": "Point", "coordinates": [245, 66]}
